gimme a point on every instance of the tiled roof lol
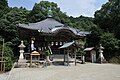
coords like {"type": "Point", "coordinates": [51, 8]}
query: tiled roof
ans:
{"type": "Point", "coordinates": [50, 25]}
{"type": "Point", "coordinates": [44, 26]}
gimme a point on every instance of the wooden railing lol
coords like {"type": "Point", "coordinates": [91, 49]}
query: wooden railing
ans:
{"type": "Point", "coordinates": [2, 64]}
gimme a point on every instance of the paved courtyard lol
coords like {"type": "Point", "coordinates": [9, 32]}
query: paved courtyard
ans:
{"type": "Point", "coordinates": [88, 71]}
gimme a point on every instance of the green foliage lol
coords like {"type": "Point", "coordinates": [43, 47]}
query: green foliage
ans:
{"type": "Point", "coordinates": [109, 41]}
{"type": "Point", "coordinates": [17, 15]}
{"type": "Point", "coordinates": [40, 11]}
{"type": "Point", "coordinates": [94, 38]}
{"type": "Point", "coordinates": [82, 23]}
{"type": "Point", "coordinates": [81, 44]}
{"type": "Point", "coordinates": [8, 27]}
{"type": "Point", "coordinates": [108, 17]}
{"type": "Point", "coordinates": [80, 51]}
{"type": "Point", "coordinates": [3, 7]}
{"type": "Point", "coordinates": [8, 56]}
{"type": "Point", "coordinates": [115, 60]}
{"type": "Point", "coordinates": [3, 4]}
{"type": "Point", "coordinates": [8, 24]}
{"type": "Point", "coordinates": [111, 45]}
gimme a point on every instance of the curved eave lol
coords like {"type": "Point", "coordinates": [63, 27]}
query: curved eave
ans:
{"type": "Point", "coordinates": [25, 26]}
{"type": "Point", "coordinates": [74, 31]}
{"type": "Point", "coordinates": [63, 29]}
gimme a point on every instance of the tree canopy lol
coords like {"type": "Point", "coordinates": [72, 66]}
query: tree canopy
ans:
{"type": "Point", "coordinates": [3, 7]}
{"type": "Point", "coordinates": [108, 17]}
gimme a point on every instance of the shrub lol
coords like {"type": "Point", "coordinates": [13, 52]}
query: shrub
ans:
{"type": "Point", "coordinates": [111, 45]}
{"type": "Point", "coordinates": [8, 56]}
{"type": "Point", "coordinates": [115, 60]}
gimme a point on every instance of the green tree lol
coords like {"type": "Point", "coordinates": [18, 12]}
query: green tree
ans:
{"type": "Point", "coordinates": [108, 17]}
{"type": "Point", "coordinates": [17, 15]}
{"type": "Point", "coordinates": [8, 26]}
{"type": "Point", "coordinates": [83, 23]}
{"type": "Point", "coordinates": [8, 23]}
{"type": "Point", "coordinates": [40, 10]}
{"type": "Point", "coordinates": [3, 7]}
{"type": "Point", "coordinates": [8, 57]}
{"type": "Point", "coordinates": [110, 43]}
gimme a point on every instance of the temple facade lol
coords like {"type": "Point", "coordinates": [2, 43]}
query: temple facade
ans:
{"type": "Point", "coordinates": [49, 32]}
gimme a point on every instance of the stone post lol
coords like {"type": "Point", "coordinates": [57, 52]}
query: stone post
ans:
{"type": "Point", "coordinates": [83, 59]}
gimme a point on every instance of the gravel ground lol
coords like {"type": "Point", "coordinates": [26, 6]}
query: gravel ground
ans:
{"type": "Point", "coordinates": [4, 76]}
{"type": "Point", "coordinates": [88, 71]}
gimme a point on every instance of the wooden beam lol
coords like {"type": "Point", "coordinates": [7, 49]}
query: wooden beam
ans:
{"type": "Point", "coordinates": [68, 57]}
{"type": "Point", "coordinates": [75, 57]}
{"type": "Point", "coordinates": [2, 64]}
{"type": "Point", "coordinates": [64, 55]}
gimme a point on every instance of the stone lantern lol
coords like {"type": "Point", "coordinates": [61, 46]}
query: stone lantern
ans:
{"type": "Point", "coordinates": [101, 57]}
{"type": "Point", "coordinates": [21, 46]}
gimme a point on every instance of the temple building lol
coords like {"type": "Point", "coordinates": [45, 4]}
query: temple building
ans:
{"type": "Point", "coordinates": [49, 32]}
{"type": "Point", "coordinates": [52, 33]}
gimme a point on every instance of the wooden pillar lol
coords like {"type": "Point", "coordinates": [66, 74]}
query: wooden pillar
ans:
{"type": "Point", "coordinates": [64, 55]}
{"type": "Point", "coordinates": [1, 66]}
{"type": "Point", "coordinates": [2, 60]}
{"type": "Point", "coordinates": [31, 60]}
{"type": "Point", "coordinates": [75, 57]}
{"type": "Point", "coordinates": [68, 57]}
{"type": "Point", "coordinates": [4, 67]}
